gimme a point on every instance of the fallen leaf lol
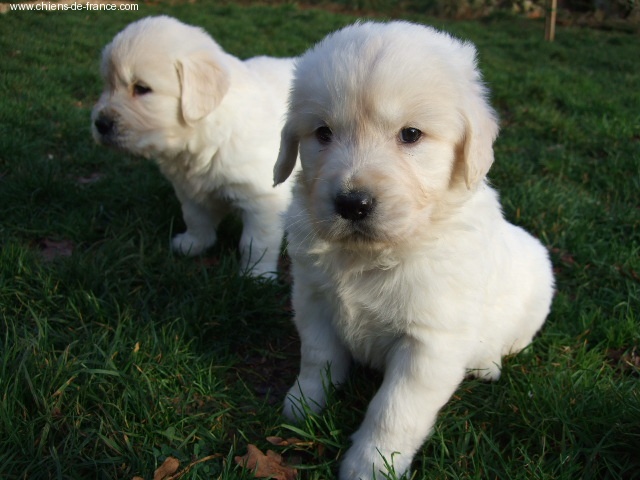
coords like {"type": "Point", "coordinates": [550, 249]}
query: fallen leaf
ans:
{"type": "Point", "coordinates": [89, 179]}
{"type": "Point", "coordinates": [52, 249]}
{"type": "Point", "coordinates": [193, 464]}
{"type": "Point", "coordinates": [168, 468]}
{"type": "Point", "coordinates": [266, 466]}
{"type": "Point", "coordinates": [286, 442]}
{"type": "Point", "coordinates": [625, 359]}
{"type": "Point", "coordinates": [208, 261]}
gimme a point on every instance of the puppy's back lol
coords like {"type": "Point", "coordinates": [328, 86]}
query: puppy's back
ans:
{"type": "Point", "coordinates": [276, 73]}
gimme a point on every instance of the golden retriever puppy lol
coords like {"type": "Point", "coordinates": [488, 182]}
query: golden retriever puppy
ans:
{"type": "Point", "coordinates": [210, 121]}
{"type": "Point", "coordinates": [401, 256]}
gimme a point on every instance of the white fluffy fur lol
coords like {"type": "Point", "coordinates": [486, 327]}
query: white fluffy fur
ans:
{"type": "Point", "coordinates": [434, 283]}
{"type": "Point", "coordinates": [211, 122]}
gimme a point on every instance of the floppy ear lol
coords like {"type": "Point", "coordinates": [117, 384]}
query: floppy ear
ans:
{"type": "Point", "coordinates": [204, 83]}
{"type": "Point", "coordinates": [105, 61]}
{"type": "Point", "coordinates": [287, 156]}
{"type": "Point", "coordinates": [481, 129]}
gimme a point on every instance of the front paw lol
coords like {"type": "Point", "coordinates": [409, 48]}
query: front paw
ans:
{"type": "Point", "coordinates": [301, 401]}
{"type": "Point", "coordinates": [262, 271]}
{"type": "Point", "coordinates": [191, 245]}
{"type": "Point", "coordinates": [489, 369]}
{"type": "Point", "coordinates": [368, 463]}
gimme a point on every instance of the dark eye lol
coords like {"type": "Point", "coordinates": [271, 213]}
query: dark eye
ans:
{"type": "Point", "coordinates": [410, 135]}
{"type": "Point", "coordinates": [324, 134]}
{"type": "Point", "coordinates": [139, 89]}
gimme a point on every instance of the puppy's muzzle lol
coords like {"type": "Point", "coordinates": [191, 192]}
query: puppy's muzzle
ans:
{"type": "Point", "coordinates": [104, 125]}
{"type": "Point", "coordinates": [354, 205]}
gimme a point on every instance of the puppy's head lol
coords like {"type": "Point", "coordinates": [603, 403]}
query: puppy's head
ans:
{"type": "Point", "coordinates": [161, 77]}
{"type": "Point", "coordinates": [391, 122]}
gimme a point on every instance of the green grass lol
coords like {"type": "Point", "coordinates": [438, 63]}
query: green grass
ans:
{"type": "Point", "coordinates": [121, 354]}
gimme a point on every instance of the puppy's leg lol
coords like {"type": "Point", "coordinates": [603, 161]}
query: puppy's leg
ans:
{"type": "Point", "coordinates": [201, 221]}
{"type": "Point", "coordinates": [262, 233]}
{"type": "Point", "coordinates": [418, 381]}
{"type": "Point", "coordinates": [488, 370]}
{"type": "Point", "coordinates": [323, 356]}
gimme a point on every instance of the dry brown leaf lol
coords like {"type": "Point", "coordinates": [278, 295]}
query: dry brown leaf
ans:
{"type": "Point", "coordinates": [89, 179]}
{"type": "Point", "coordinates": [193, 464]}
{"type": "Point", "coordinates": [168, 468]}
{"type": "Point", "coordinates": [285, 442]}
{"type": "Point", "coordinates": [266, 466]}
{"type": "Point", "coordinates": [212, 261]}
{"type": "Point", "coordinates": [626, 359]}
{"type": "Point", "coordinates": [52, 249]}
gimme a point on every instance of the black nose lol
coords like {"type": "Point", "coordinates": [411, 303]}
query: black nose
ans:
{"type": "Point", "coordinates": [104, 125]}
{"type": "Point", "coordinates": [354, 205]}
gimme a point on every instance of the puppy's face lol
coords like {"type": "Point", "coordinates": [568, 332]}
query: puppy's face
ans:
{"type": "Point", "coordinates": [389, 120]}
{"type": "Point", "coordinates": [161, 78]}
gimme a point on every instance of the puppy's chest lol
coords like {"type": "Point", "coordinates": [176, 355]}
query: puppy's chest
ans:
{"type": "Point", "coordinates": [202, 182]}
{"type": "Point", "coordinates": [373, 313]}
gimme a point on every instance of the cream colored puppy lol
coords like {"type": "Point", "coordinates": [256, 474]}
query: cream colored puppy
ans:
{"type": "Point", "coordinates": [401, 256]}
{"type": "Point", "coordinates": [211, 122]}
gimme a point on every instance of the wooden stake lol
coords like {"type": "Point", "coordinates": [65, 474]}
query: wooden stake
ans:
{"type": "Point", "coordinates": [550, 23]}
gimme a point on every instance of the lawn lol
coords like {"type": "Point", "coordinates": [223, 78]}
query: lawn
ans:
{"type": "Point", "coordinates": [116, 354]}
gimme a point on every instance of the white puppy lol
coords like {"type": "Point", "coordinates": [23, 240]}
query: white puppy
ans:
{"type": "Point", "coordinates": [401, 256]}
{"type": "Point", "coordinates": [211, 122]}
